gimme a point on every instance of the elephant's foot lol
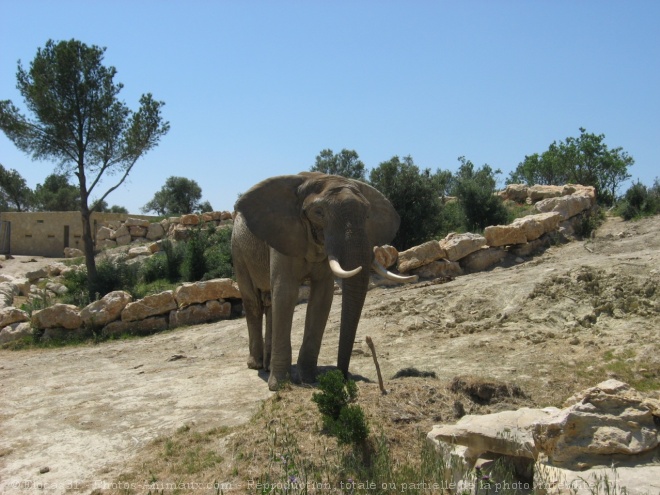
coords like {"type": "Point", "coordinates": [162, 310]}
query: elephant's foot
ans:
{"type": "Point", "coordinates": [255, 363]}
{"type": "Point", "coordinates": [307, 374]}
{"type": "Point", "coordinates": [277, 380]}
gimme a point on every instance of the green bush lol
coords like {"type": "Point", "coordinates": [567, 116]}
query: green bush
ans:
{"type": "Point", "coordinates": [341, 419]}
{"type": "Point", "coordinates": [218, 254]}
{"type": "Point", "coordinates": [639, 201]}
{"type": "Point", "coordinates": [194, 264]}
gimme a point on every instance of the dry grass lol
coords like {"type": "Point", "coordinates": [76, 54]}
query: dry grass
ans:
{"type": "Point", "coordinates": [285, 441]}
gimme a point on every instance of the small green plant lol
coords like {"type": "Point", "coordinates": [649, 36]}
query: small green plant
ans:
{"type": "Point", "coordinates": [194, 264]}
{"type": "Point", "coordinates": [341, 419]}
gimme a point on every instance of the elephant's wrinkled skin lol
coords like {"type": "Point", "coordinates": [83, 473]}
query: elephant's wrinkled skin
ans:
{"type": "Point", "coordinates": [287, 228]}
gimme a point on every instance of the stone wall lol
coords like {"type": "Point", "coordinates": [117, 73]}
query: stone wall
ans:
{"type": "Point", "coordinates": [558, 207]}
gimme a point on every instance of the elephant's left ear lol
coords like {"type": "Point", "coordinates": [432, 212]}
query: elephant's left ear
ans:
{"type": "Point", "coordinates": [272, 212]}
{"type": "Point", "coordinates": [384, 221]}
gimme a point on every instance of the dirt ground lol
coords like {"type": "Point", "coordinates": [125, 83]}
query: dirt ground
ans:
{"type": "Point", "coordinates": [72, 419]}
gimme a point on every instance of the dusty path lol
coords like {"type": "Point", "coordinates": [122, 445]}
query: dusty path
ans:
{"type": "Point", "coordinates": [83, 412]}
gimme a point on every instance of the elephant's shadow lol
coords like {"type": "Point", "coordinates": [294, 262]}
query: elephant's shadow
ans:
{"type": "Point", "coordinates": [321, 370]}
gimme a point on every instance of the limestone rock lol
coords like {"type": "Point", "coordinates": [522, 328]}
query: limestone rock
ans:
{"type": "Point", "coordinates": [534, 226]}
{"type": "Point", "coordinates": [106, 244]}
{"type": "Point", "coordinates": [57, 316]}
{"type": "Point", "coordinates": [70, 252]}
{"type": "Point", "coordinates": [190, 219]}
{"type": "Point", "coordinates": [155, 231]}
{"type": "Point", "coordinates": [140, 327]}
{"type": "Point", "coordinates": [419, 256]}
{"type": "Point", "coordinates": [137, 231]}
{"type": "Point", "coordinates": [459, 246]}
{"type": "Point", "coordinates": [8, 290]}
{"type": "Point", "coordinates": [123, 240]}
{"type": "Point", "coordinates": [136, 222]}
{"type": "Point", "coordinates": [514, 192]}
{"type": "Point", "coordinates": [531, 247]}
{"type": "Point", "coordinates": [153, 305]}
{"type": "Point", "coordinates": [482, 259]}
{"type": "Point", "coordinates": [200, 313]}
{"type": "Point", "coordinates": [506, 432]}
{"type": "Point", "coordinates": [386, 255]}
{"type": "Point", "coordinates": [200, 292]}
{"type": "Point", "coordinates": [122, 231]}
{"type": "Point", "coordinates": [539, 192]}
{"type": "Point", "coordinates": [104, 233]}
{"type": "Point", "coordinates": [567, 206]}
{"type": "Point", "coordinates": [57, 288]}
{"type": "Point", "coordinates": [15, 331]}
{"type": "Point", "coordinates": [11, 315]}
{"type": "Point", "coordinates": [35, 275]}
{"type": "Point", "coordinates": [106, 309]}
{"type": "Point", "coordinates": [504, 235]}
{"type": "Point", "coordinates": [439, 268]}
{"type": "Point", "coordinates": [607, 419]}
{"type": "Point", "coordinates": [134, 252]}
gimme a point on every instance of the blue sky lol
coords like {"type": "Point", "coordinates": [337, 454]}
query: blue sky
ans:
{"type": "Point", "coordinates": [259, 88]}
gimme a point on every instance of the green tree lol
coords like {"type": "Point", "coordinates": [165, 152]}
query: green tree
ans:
{"type": "Point", "coordinates": [102, 206]}
{"type": "Point", "coordinates": [79, 121]}
{"type": "Point", "coordinates": [15, 195]}
{"type": "Point", "coordinates": [57, 194]}
{"type": "Point", "coordinates": [414, 195]}
{"type": "Point", "coordinates": [585, 160]}
{"type": "Point", "coordinates": [179, 196]}
{"type": "Point", "coordinates": [475, 190]}
{"type": "Point", "coordinates": [346, 163]}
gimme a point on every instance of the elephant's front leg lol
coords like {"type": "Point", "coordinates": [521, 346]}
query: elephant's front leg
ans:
{"type": "Point", "coordinates": [285, 281]}
{"type": "Point", "coordinates": [316, 318]}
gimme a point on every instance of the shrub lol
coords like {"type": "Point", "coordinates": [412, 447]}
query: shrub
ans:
{"type": "Point", "coordinates": [640, 201]}
{"type": "Point", "coordinates": [218, 254]}
{"type": "Point", "coordinates": [341, 419]}
{"type": "Point", "coordinates": [194, 264]}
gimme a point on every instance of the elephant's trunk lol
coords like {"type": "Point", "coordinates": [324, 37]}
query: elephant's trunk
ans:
{"type": "Point", "coordinates": [355, 256]}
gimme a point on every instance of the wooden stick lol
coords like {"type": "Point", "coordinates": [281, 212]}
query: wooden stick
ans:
{"type": "Point", "coordinates": [370, 343]}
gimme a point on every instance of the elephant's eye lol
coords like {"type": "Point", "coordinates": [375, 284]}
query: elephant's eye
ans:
{"type": "Point", "coordinates": [319, 212]}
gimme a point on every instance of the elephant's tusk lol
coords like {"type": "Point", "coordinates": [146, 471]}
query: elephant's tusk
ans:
{"type": "Point", "coordinates": [339, 271]}
{"type": "Point", "coordinates": [384, 272]}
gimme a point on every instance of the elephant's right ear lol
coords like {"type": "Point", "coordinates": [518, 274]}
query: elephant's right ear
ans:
{"type": "Point", "coordinates": [272, 212]}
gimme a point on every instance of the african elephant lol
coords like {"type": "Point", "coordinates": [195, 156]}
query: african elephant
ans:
{"type": "Point", "coordinates": [307, 226]}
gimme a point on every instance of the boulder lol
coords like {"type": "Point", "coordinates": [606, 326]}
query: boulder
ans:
{"type": "Point", "coordinates": [70, 252]}
{"type": "Point", "coordinates": [507, 432]}
{"type": "Point", "coordinates": [106, 244]}
{"type": "Point", "coordinates": [459, 246]}
{"type": "Point", "coordinates": [534, 226]}
{"type": "Point", "coordinates": [610, 418]}
{"type": "Point", "coordinates": [386, 255]}
{"type": "Point", "coordinates": [153, 305]}
{"type": "Point", "coordinates": [35, 275]}
{"type": "Point", "coordinates": [104, 233]}
{"type": "Point", "coordinates": [57, 288]}
{"type": "Point", "coordinates": [122, 231]}
{"type": "Point", "coordinates": [539, 192]}
{"type": "Point", "coordinates": [419, 256]}
{"type": "Point", "coordinates": [200, 313]}
{"type": "Point", "coordinates": [106, 309]}
{"type": "Point", "coordinates": [482, 259]}
{"type": "Point", "coordinates": [124, 240]}
{"type": "Point", "coordinates": [155, 232]}
{"type": "Point", "coordinates": [189, 220]}
{"type": "Point", "coordinates": [11, 315]}
{"type": "Point", "coordinates": [532, 247]}
{"type": "Point", "coordinates": [514, 192]}
{"type": "Point", "coordinates": [140, 327]}
{"type": "Point", "coordinates": [55, 269]}
{"type": "Point", "coordinates": [200, 292]}
{"type": "Point", "coordinates": [15, 331]}
{"type": "Point", "coordinates": [137, 231]}
{"type": "Point", "coordinates": [136, 222]}
{"type": "Point", "coordinates": [567, 206]}
{"type": "Point", "coordinates": [439, 269]}
{"type": "Point", "coordinates": [57, 316]}
{"type": "Point", "coordinates": [504, 235]}
{"type": "Point", "coordinates": [134, 252]}
{"type": "Point", "coordinates": [8, 290]}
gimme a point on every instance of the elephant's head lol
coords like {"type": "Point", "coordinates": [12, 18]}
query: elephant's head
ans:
{"type": "Point", "coordinates": [323, 217]}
